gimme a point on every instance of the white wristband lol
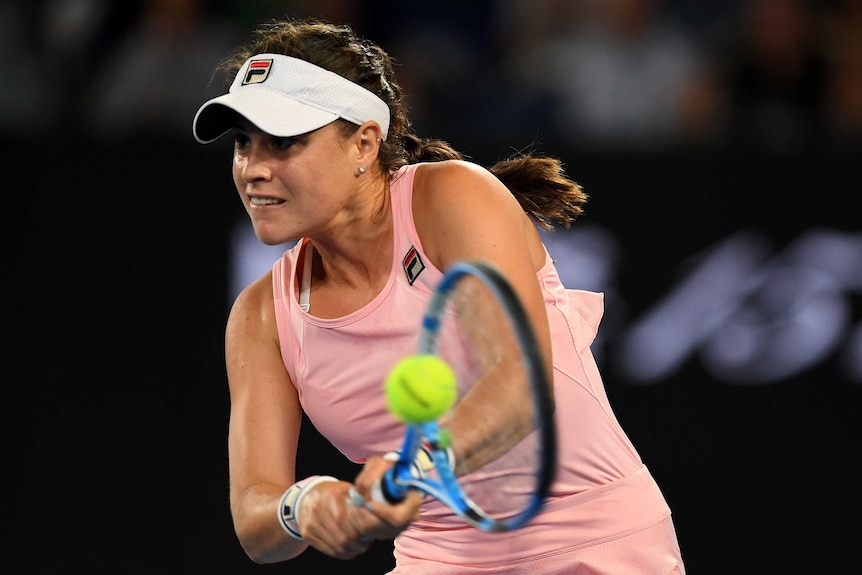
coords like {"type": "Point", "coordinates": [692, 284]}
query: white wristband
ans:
{"type": "Point", "coordinates": [288, 507]}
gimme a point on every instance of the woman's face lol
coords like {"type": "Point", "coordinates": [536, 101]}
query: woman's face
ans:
{"type": "Point", "coordinates": [293, 187]}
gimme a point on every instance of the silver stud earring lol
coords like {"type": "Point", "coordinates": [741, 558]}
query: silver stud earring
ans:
{"type": "Point", "coordinates": [361, 169]}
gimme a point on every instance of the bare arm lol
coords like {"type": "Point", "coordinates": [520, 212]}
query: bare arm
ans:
{"type": "Point", "coordinates": [265, 418]}
{"type": "Point", "coordinates": [462, 213]}
{"type": "Point", "coordinates": [263, 435]}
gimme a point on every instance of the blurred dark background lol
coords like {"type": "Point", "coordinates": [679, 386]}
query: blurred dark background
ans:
{"type": "Point", "coordinates": [720, 144]}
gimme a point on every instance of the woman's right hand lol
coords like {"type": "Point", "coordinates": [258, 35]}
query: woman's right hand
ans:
{"type": "Point", "coordinates": [391, 518]}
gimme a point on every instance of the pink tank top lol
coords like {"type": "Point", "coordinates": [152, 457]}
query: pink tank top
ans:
{"type": "Point", "coordinates": [601, 488]}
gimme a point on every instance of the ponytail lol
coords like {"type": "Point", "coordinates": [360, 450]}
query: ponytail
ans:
{"type": "Point", "coordinates": [539, 183]}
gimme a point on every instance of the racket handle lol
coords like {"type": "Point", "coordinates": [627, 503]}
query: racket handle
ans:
{"type": "Point", "coordinates": [388, 490]}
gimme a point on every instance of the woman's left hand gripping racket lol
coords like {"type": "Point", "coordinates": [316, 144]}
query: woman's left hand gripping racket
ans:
{"type": "Point", "coordinates": [476, 324]}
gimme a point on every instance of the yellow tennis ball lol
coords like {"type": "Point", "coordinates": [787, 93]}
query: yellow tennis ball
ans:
{"type": "Point", "coordinates": [421, 388]}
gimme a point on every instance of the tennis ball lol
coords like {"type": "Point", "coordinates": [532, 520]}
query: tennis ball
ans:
{"type": "Point", "coordinates": [421, 388]}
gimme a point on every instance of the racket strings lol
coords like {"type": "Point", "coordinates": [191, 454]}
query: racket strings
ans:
{"type": "Point", "coordinates": [477, 338]}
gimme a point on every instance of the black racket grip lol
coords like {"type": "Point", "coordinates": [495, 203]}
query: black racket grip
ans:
{"type": "Point", "coordinates": [388, 489]}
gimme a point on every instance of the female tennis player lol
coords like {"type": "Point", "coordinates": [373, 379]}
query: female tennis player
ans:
{"type": "Point", "coordinates": [324, 154]}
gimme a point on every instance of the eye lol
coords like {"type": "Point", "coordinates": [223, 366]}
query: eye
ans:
{"type": "Point", "coordinates": [280, 143]}
{"type": "Point", "coordinates": [241, 139]}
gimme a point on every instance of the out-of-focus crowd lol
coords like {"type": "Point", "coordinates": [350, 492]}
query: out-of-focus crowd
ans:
{"type": "Point", "coordinates": [765, 76]}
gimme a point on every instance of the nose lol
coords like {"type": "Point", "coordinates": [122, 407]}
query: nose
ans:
{"type": "Point", "coordinates": [255, 164]}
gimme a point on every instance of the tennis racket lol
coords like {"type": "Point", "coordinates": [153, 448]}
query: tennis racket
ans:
{"type": "Point", "coordinates": [475, 322]}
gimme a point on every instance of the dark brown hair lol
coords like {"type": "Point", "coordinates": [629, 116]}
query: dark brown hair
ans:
{"type": "Point", "coordinates": [539, 183]}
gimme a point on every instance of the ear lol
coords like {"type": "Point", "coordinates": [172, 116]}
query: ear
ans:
{"type": "Point", "coordinates": [368, 140]}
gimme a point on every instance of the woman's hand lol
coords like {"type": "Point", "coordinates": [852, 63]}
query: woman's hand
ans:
{"type": "Point", "coordinates": [331, 522]}
{"type": "Point", "coordinates": [392, 519]}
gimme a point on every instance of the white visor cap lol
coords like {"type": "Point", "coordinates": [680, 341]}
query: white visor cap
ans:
{"type": "Point", "coordinates": [285, 96]}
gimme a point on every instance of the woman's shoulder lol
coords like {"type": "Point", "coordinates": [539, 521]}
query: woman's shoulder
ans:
{"type": "Point", "coordinates": [450, 168]}
{"type": "Point", "coordinates": [256, 298]}
{"type": "Point", "coordinates": [454, 176]}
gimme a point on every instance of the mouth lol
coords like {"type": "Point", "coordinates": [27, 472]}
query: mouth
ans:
{"type": "Point", "coordinates": [258, 201]}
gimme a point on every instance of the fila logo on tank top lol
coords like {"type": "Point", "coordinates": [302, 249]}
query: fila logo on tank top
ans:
{"type": "Point", "coordinates": [413, 264]}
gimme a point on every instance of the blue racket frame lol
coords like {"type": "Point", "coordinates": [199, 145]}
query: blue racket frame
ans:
{"type": "Point", "coordinates": [399, 479]}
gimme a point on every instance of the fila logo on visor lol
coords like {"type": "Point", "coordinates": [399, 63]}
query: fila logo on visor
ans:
{"type": "Point", "coordinates": [257, 72]}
